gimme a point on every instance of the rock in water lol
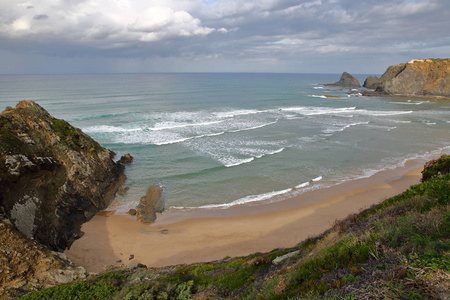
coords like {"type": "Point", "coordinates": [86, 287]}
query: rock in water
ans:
{"type": "Point", "coordinates": [150, 204]}
{"type": "Point", "coordinates": [372, 82]}
{"type": "Point", "coordinates": [346, 80]}
{"type": "Point", "coordinates": [53, 177]}
{"type": "Point", "coordinates": [126, 159]}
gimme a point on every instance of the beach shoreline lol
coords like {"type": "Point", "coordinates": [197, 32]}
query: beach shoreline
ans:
{"type": "Point", "coordinates": [201, 235]}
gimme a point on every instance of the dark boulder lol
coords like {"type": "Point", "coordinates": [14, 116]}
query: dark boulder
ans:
{"type": "Point", "coordinates": [126, 159]}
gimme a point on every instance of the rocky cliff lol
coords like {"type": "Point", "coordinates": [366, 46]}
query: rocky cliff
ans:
{"type": "Point", "coordinates": [418, 77]}
{"type": "Point", "coordinates": [28, 266]}
{"type": "Point", "coordinates": [53, 177]}
{"type": "Point", "coordinates": [346, 80]}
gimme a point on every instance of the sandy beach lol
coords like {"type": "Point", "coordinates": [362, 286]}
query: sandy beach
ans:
{"type": "Point", "coordinates": [193, 235]}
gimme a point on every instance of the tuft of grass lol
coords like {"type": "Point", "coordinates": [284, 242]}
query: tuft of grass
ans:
{"type": "Point", "coordinates": [73, 137]}
{"type": "Point", "coordinates": [81, 290]}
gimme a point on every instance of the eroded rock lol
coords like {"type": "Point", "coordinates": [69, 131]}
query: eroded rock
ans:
{"type": "Point", "coordinates": [28, 266]}
{"type": "Point", "coordinates": [126, 159]}
{"type": "Point", "coordinates": [418, 77]}
{"type": "Point", "coordinates": [372, 82]}
{"type": "Point", "coordinates": [346, 80]}
{"type": "Point", "coordinates": [53, 177]}
{"type": "Point", "coordinates": [150, 204]}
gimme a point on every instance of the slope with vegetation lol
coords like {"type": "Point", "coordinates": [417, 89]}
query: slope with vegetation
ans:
{"type": "Point", "coordinates": [399, 249]}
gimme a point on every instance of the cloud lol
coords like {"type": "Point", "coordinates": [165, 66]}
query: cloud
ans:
{"type": "Point", "coordinates": [117, 23]}
{"type": "Point", "coordinates": [40, 17]}
{"type": "Point", "coordinates": [229, 32]}
{"type": "Point", "coordinates": [157, 23]}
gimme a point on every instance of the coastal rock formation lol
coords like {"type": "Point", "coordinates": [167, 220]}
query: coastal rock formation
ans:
{"type": "Point", "coordinates": [126, 159]}
{"type": "Point", "coordinates": [29, 266]}
{"type": "Point", "coordinates": [150, 204]}
{"type": "Point", "coordinates": [372, 82]}
{"type": "Point", "coordinates": [53, 177]}
{"type": "Point", "coordinates": [418, 77]}
{"type": "Point", "coordinates": [346, 80]}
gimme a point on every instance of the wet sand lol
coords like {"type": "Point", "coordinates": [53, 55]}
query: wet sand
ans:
{"type": "Point", "coordinates": [200, 235]}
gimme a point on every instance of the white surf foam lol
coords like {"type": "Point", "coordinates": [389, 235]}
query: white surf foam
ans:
{"type": "Point", "coordinates": [411, 103]}
{"type": "Point", "coordinates": [167, 126]}
{"type": "Point", "coordinates": [234, 113]}
{"type": "Point", "coordinates": [317, 179]}
{"type": "Point", "coordinates": [310, 111]}
{"type": "Point", "coordinates": [236, 162]}
{"type": "Point", "coordinates": [107, 129]}
{"type": "Point", "coordinates": [253, 127]}
{"type": "Point", "coordinates": [401, 122]}
{"type": "Point", "coordinates": [302, 185]}
{"type": "Point", "coordinates": [378, 113]}
{"type": "Point", "coordinates": [172, 141]}
{"type": "Point", "coordinates": [340, 129]}
{"type": "Point", "coordinates": [249, 199]}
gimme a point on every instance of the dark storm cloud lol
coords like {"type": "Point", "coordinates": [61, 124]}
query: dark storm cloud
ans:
{"type": "Point", "coordinates": [40, 17]}
{"type": "Point", "coordinates": [278, 35]}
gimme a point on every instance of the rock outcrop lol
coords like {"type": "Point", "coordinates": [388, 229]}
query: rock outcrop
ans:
{"type": "Point", "coordinates": [53, 177]}
{"type": "Point", "coordinates": [346, 80]}
{"type": "Point", "coordinates": [126, 159]}
{"type": "Point", "coordinates": [28, 266]}
{"type": "Point", "coordinates": [418, 77]}
{"type": "Point", "coordinates": [372, 82]}
{"type": "Point", "coordinates": [150, 204]}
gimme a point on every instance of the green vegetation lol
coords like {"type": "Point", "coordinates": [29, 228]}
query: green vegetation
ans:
{"type": "Point", "coordinates": [436, 167]}
{"type": "Point", "coordinates": [399, 249]}
{"type": "Point", "coordinates": [73, 137]}
{"type": "Point", "coordinates": [80, 290]}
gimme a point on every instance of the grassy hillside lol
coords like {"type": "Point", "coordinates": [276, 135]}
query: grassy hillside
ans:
{"type": "Point", "coordinates": [399, 249]}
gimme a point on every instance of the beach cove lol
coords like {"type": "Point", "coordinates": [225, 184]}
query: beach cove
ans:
{"type": "Point", "coordinates": [205, 235]}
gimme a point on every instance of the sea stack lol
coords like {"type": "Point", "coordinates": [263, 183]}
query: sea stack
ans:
{"type": "Point", "coordinates": [372, 82]}
{"type": "Point", "coordinates": [53, 177]}
{"type": "Point", "coordinates": [346, 80]}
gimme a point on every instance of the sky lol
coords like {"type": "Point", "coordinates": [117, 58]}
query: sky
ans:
{"type": "Point", "coordinates": [284, 36]}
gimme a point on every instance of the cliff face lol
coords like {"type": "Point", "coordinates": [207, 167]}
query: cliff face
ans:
{"type": "Point", "coordinates": [419, 77]}
{"type": "Point", "coordinates": [53, 177]}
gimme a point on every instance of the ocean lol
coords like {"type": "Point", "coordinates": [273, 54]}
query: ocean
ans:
{"type": "Point", "coordinates": [214, 140]}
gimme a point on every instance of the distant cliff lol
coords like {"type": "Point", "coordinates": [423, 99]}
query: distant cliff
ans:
{"type": "Point", "coordinates": [418, 77]}
{"type": "Point", "coordinates": [53, 177]}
